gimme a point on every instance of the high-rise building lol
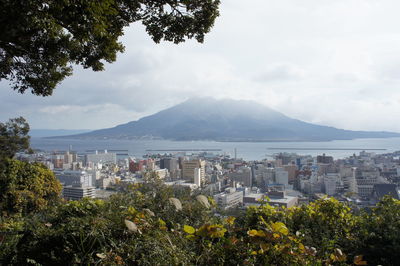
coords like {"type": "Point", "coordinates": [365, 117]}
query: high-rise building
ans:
{"type": "Point", "coordinates": [169, 163]}
{"type": "Point", "coordinates": [172, 165]}
{"type": "Point", "coordinates": [330, 184]}
{"type": "Point", "coordinates": [58, 161]}
{"type": "Point", "coordinates": [291, 169]}
{"type": "Point", "coordinates": [242, 175]}
{"type": "Point", "coordinates": [69, 157]}
{"type": "Point", "coordinates": [348, 175]}
{"type": "Point", "coordinates": [189, 166]}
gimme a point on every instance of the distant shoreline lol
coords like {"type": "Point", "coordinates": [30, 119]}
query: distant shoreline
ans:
{"type": "Point", "coordinates": [327, 149]}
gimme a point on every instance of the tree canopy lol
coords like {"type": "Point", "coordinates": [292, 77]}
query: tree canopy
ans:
{"type": "Point", "coordinates": [13, 137]}
{"type": "Point", "coordinates": [41, 40]}
{"type": "Point", "coordinates": [26, 187]}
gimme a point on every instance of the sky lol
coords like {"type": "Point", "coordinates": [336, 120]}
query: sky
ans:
{"type": "Point", "coordinates": [334, 63]}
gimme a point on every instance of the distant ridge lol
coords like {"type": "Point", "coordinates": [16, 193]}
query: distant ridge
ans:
{"type": "Point", "coordinates": [40, 133]}
{"type": "Point", "coordinates": [225, 120]}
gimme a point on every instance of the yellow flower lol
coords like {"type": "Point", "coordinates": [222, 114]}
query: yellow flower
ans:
{"type": "Point", "coordinates": [188, 229]}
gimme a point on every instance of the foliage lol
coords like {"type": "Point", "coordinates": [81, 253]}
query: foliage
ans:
{"type": "Point", "coordinates": [326, 224]}
{"type": "Point", "coordinates": [26, 187]}
{"type": "Point", "coordinates": [13, 137]}
{"type": "Point", "coordinates": [379, 233]}
{"type": "Point", "coordinates": [141, 226]}
{"type": "Point", "coordinates": [40, 40]}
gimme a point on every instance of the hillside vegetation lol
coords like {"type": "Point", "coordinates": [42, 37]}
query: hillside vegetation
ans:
{"type": "Point", "coordinates": [151, 224]}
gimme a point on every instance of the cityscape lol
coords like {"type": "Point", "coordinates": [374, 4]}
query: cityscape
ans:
{"type": "Point", "coordinates": [287, 179]}
{"type": "Point", "coordinates": [202, 132]}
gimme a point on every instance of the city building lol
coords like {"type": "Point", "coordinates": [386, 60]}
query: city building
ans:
{"type": "Point", "coordinates": [324, 159]}
{"type": "Point", "coordinates": [197, 177]}
{"type": "Point", "coordinates": [229, 198]}
{"type": "Point", "coordinates": [104, 182]}
{"type": "Point", "coordinates": [279, 198]}
{"type": "Point", "coordinates": [78, 191]}
{"type": "Point", "coordinates": [281, 177]}
{"type": "Point", "coordinates": [381, 190]}
{"type": "Point", "coordinates": [366, 179]}
{"type": "Point", "coordinates": [58, 161]}
{"type": "Point", "coordinates": [98, 157]}
{"type": "Point", "coordinates": [172, 165]}
{"type": "Point", "coordinates": [331, 183]}
{"type": "Point", "coordinates": [69, 177]}
{"type": "Point", "coordinates": [188, 169]}
{"type": "Point", "coordinates": [242, 175]}
{"type": "Point", "coordinates": [292, 170]}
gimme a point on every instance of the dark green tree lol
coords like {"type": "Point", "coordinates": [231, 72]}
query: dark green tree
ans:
{"type": "Point", "coordinates": [13, 137]}
{"type": "Point", "coordinates": [40, 40]}
{"type": "Point", "coordinates": [379, 233]}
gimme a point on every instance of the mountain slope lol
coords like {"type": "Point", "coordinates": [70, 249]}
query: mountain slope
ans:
{"type": "Point", "coordinates": [226, 120]}
{"type": "Point", "coordinates": [40, 133]}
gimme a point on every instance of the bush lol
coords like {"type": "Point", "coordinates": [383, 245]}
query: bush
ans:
{"type": "Point", "coordinates": [152, 224]}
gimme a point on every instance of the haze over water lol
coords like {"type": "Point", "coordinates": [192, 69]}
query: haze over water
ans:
{"type": "Point", "coordinates": [246, 150]}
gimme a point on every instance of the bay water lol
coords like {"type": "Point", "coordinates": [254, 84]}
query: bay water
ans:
{"type": "Point", "coordinates": [247, 150]}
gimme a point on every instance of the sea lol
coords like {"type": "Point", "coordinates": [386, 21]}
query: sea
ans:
{"type": "Point", "coordinates": [339, 149]}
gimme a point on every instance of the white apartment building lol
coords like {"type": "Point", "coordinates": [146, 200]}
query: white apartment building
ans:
{"type": "Point", "coordinates": [281, 176]}
{"type": "Point", "coordinates": [229, 198]}
{"type": "Point", "coordinates": [78, 191]}
{"type": "Point", "coordinates": [331, 182]}
{"type": "Point", "coordinates": [70, 177]}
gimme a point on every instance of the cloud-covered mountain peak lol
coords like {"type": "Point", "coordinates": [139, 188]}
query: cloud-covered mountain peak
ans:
{"type": "Point", "coordinates": [226, 120]}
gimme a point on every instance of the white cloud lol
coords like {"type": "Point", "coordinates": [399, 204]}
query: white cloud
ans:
{"type": "Point", "coordinates": [329, 62]}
